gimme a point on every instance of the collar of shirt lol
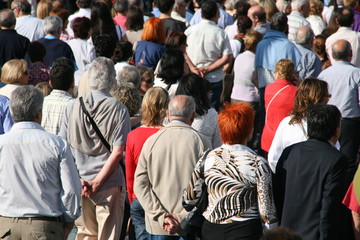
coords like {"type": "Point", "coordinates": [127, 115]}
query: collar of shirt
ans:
{"type": "Point", "coordinates": [59, 92]}
{"type": "Point", "coordinates": [101, 93]}
{"type": "Point", "coordinates": [283, 81]}
{"type": "Point", "coordinates": [50, 37]}
{"type": "Point", "coordinates": [26, 125]}
{"type": "Point", "coordinates": [344, 29]}
{"type": "Point", "coordinates": [238, 147]}
{"type": "Point", "coordinates": [206, 21]}
{"type": "Point", "coordinates": [339, 63]}
{"type": "Point", "coordinates": [297, 14]}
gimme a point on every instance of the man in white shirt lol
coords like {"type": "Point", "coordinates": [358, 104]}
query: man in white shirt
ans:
{"type": "Point", "coordinates": [27, 25]}
{"type": "Point", "coordinates": [344, 18]}
{"type": "Point", "coordinates": [84, 11]}
{"type": "Point", "coordinates": [209, 49]}
{"type": "Point", "coordinates": [39, 184]}
{"type": "Point", "coordinates": [297, 18]}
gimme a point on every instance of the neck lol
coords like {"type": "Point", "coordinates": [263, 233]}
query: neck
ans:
{"type": "Point", "coordinates": [164, 15]}
{"type": "Point", "coordinates": [181, 119]}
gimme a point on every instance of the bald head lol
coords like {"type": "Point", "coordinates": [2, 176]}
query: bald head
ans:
{"type": "Point", "coordinates": [257, 15]}
{"type": "Point", "coordinates": [182, 108]}
{"type": "Point", "coordinates": [341, 51]}
{"type": "Point", "coordinates": [7, 19]}
{"type": "Point", "coordinates": [304, 36]}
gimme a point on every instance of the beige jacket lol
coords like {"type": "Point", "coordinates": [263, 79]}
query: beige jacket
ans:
{"type": "Point", "coordinates": [165, 166]}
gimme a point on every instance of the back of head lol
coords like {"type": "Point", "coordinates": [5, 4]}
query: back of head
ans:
{"type": "Point", "coordinates": [310, 91]}
{"type": "Point", "coordinates": [259, 12]}
{"type": "Point", "coordinates": [63, 60]}
{"type": "Point", "coordinates": [350, 3]}
{"type": "Point", "coordinates": [279, 22]}
{"type": "Point", "coordinates": [209, 9]}
{"type": "Point", "coordinates": [322, 121]}
{"type": "Point", "coordinates": [192, 85]}
{"type": "Point", "coordinates": [316, 7]}
{"type": "Point", "coordinates": [84, 3]}
{"type": "Point", "coordinates": [182, 106]}
{"type": "Point", "coordinates": [252, 38]}
{"type": "Point", "coordinates": [171, 65]}
{"type": "Point", "coordinates": [24, 6]}
{"type": "Point", "coordinates": [128, 95]}
{"type": "Point", "coordinates": [121, 6]}
{"type": "Point", "coordinates": [341, 50]}
{"type": "Point", "coordinates": [122, 52]}
{"type": "Point", "coordinates": [154, 105]}
{"type": "Point", "coordinates": [242, 8]}
{"type": "Point", "coordinates": [236, 123]}
{"type": "Point", "coordinates": [7, 18]}
{"type": "Point", "coordinates": [154, 31]}
{"type": "Point", "coordinates": [128, 74]}
{"type": "Point", "coordinates": [101, 19]}
{"type": "Point", "coordinates": [52, 25]}
{"type": "Point", "coordinates": [25, 103]}
{"type": "Point", "coordinates": [36, 51]}
{"type": "Point", "coordinates": [164, 6]}
{"type": "Point", "coordinates": [101, 74]}
{"type": "Point", "coordinates": [81, 27]}
{"type": "Point", "coordinates": [134, 18]}
{"type": "Point", "coordinates": [344, 16]}
{"type": "Point", "coordinates": [104, 45]}
{"type": "Point", "coordinates": [285, 69]}
{"type": "Point", "coordinates": [43, 9]}
{"type": "Point", "coordinates": [319, 44]}
{"type": "Point", "coordinates": [244, 24]}
{"type": "Point", "coordinates": [304, 36]}
{"type": "Point", "coordinates": [175, 40]}
{"type": "Point", "coordinates": [13, 70]}
{"type": "Point", "coordinates": [297, 4]}
{"type": "Point", "coordinates": [62, 76]}
{"type": "Point", "coordinates": [62, 13]}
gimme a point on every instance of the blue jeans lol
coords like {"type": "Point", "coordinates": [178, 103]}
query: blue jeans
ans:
{"type": "Point", "coordinates": [164, 237]}
{"type": "Point", "coordinates": [215, 93]}
{"type": "Point", "coordinates": [138, 220]}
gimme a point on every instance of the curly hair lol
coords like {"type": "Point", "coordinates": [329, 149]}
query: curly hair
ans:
{"type": "Point", "coordinates": [128, 95]}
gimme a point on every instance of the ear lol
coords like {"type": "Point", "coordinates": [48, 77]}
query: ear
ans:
{"type": "Point", "coordinates": [50, 83]}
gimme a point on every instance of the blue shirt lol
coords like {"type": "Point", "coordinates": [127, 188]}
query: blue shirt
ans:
{"type": "Point", "coordinates": [343, 80]}
{"type": "Point", "coordinates": [5, 118]}
{"type": "Point", "coordinates": [224, 20]}
{"type": "Point", "coordinates": [38, 176]}
{"type": "Point", "coordinates": [310, 63]}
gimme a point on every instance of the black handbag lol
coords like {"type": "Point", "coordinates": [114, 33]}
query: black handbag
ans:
{"type": "Point", "coordinates": [192, 223]}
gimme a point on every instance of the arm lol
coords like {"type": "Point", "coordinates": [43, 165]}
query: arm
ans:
{"type": "Point", "coordinates": [107, 169]}
{"type": "Point", "coordinates": [217, 64]}
{"type": "Point", "coordinates": [333, 192]}
{"type": "Point", "coordinates": [192, 67]}
{"type": "Point", "coordinates": [130, 168]}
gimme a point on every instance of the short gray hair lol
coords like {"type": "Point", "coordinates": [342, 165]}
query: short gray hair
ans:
{"type": "Point", "coordinates": [304, 39]}
{"type": "Point", "coordinates": [24, 6]}
{"type": "Point", "coordinates": [7, 18]}
{"type": "Point", "coordinates": [101, 74]}
{"type": "Point", "coordinates": [182, 106]}
{"type": "Point", "coordinates": [52, 24]}
{"type": "Point", "coordinates": [129, 74]}
{"type": "Point", "coordinates": [297, 4]}
{"type": "Point", "coordinates": [25, 102]}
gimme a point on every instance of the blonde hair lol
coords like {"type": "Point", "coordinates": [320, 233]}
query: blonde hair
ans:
{"type": "Point", "coordinates": [128, 95]}
{"type": "Point", "coordinates": [316, 7]}
{"type": "Point", "coordinates": [13, 70]}
{"type": "Point", "coordinates": [252, 38]}
{"type": "Point", "coordinates": [154, 105]}
{"type": "Point", "coordinates": [43, 9]}
{"type": "Point", "coordinates": [44, 87]}
{"type": "Point", "coordinates": [285, 69]}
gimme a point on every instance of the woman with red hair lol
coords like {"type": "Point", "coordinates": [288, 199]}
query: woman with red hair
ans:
{"type": "Point", "coordinates": [238, 182]}
{"type": "Point", "coordinates": [149, 50]}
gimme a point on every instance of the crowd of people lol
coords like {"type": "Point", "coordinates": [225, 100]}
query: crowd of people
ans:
{"type": "Point", "coordinates": [118, 117]}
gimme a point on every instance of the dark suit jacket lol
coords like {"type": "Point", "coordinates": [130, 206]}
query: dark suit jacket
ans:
{"type": "Point", "coordinates": [56, 48]}
{"type": "Point", "coordinates": [12, 45]}
{"type": "Point", "coordinates": [309, 185]}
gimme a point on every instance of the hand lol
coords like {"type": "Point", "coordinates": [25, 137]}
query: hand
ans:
{"type": "Point", "coordinates": [94, 186]}
{"type": "Point", "coordinates": [203, 71]}
{"type": "Point", "coordinates": [85, 190]}
{"type": "Point", "coordinates": [171, 224]}
{"type": "Point", "coordinates": [195, 70]}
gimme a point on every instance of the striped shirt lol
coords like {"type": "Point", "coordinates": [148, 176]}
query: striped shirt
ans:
{"type": "Point", "coordinates": [53, 110]}
{"type": "Point", "coordinates": [295, 21]}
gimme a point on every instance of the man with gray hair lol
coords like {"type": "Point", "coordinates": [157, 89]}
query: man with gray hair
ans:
{"type": "Point", "coordinates": [55, 48]}
{"type": "Point", "coordinates": [300, 10]}
{"type": "Point", "coordinates": [96, 127]}
{"type": "Point", "coordinates": [310, 62]}
{"type": "Point", "coordinates": [12, 44]}
{"type": "Point", "coordinates": [39, 183]}
{"type": "Point", "coordinates": [128, 74]}
{"type": "Point", "coordinates": [26, 24]}
{"type": "Point", "coordinates": [343, 80]}
{"type": "Point", "coordinates": [165, 165]}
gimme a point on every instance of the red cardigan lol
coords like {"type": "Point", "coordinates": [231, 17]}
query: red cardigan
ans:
{"type": "Point", "coordinates": [279, 108]}
{"type": "Point", "coordinates": [134, 144]}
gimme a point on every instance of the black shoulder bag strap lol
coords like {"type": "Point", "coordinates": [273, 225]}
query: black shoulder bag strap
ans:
{"type": "Point", "coordinates": [97, 130]}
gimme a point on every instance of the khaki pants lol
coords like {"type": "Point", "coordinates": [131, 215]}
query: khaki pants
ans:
{"type": "Point", "coordinates": [102, 215]}
{"type": "Point", "coordinates": [30, 229]}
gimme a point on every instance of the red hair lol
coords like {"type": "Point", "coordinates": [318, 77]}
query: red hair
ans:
{"type": "Point", "coordinates": [236, 123]}
{"type": "Point", "coordinates": [154, 31]}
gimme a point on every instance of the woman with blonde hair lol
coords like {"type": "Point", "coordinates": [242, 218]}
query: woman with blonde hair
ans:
{"type": "Point", "coordinates": [14, 73]}
{"type": "Point", "coordinates": [43, 9]}
{"type": "Point", "coordinates": [279, 100]}
{"type": "Point", "coordinates": [153, 109]}
{"type": "Point", "coordinates": [315, 18]}
{"type": "Point", "coordinates": [293, 129]}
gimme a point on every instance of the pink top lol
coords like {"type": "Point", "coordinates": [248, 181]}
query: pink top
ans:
{"type": "Point", "coordinates": [279, 108]}
{"type": "Point", "coordinates": [120, 21]}
{"type": "Point", "coordinates": [135, 141]}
